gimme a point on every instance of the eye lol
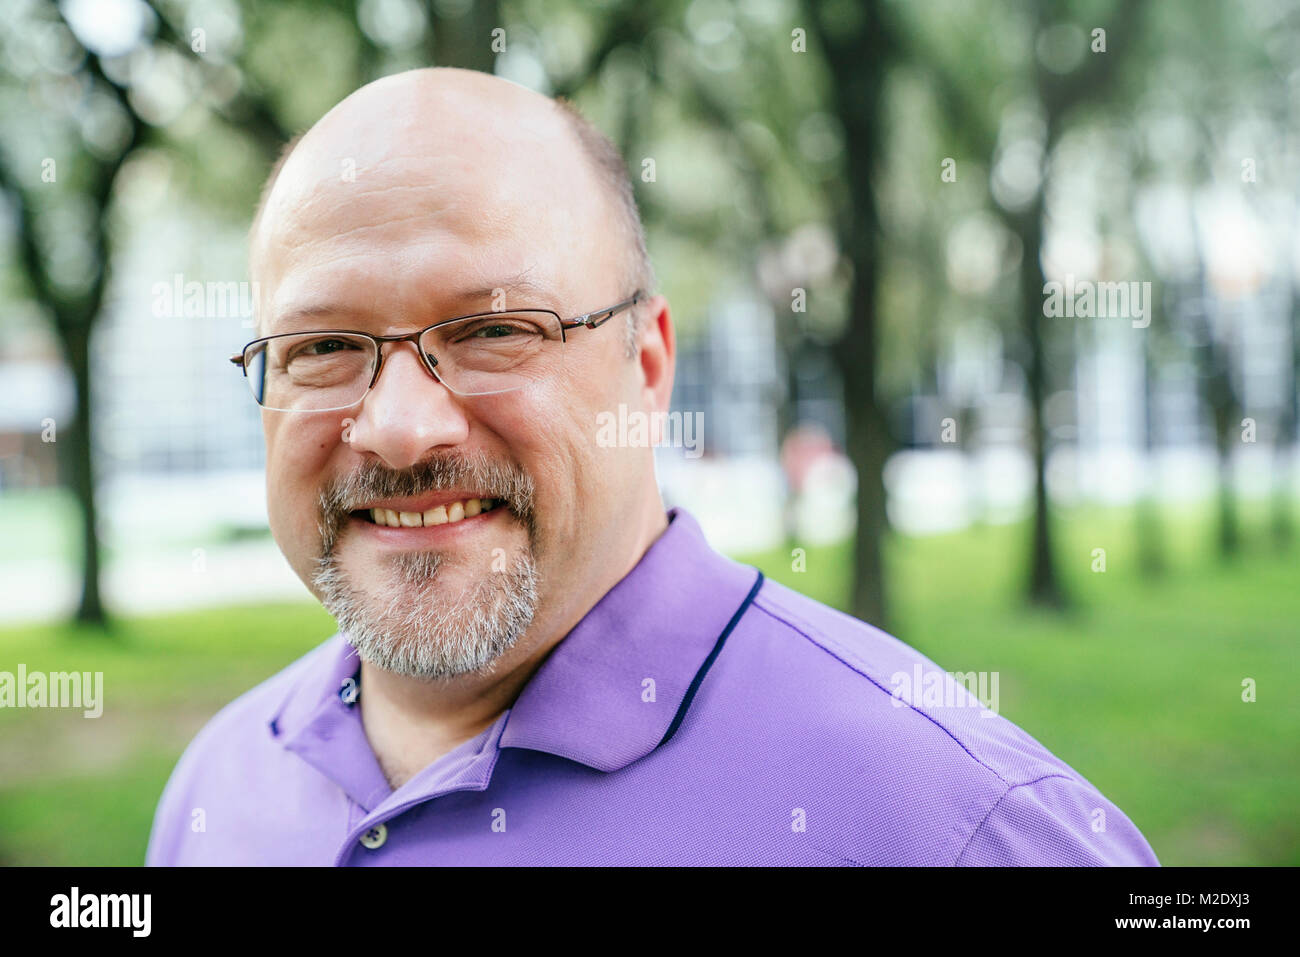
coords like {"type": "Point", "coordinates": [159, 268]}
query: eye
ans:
{"type": "Point", "coordinates": [323, 347]}
{"type": "Point", "coordinates": [495, 331]}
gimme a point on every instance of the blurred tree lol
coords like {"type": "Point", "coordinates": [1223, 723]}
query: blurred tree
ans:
{"type": "Point", "coordinates": [1150, 539]}
{"type": "Point", "coordinates": [464, 41]}
{"type": "Point", "coordinates": [1276, 78]}
{"type": "Point", "coordinates": [1287, 445]}
{"type": "Point", "coordinates": [858, 46]}
{"type": "Point", "coordinates": [1058, 93]}
{"type": "Point", "coordinates": [73, 303]}
{"type": "Point", "coordinates": [105, 98]}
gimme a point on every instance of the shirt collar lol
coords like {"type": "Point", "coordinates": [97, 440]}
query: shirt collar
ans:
{"type": "Point", "coordinates": [317, 721]}
{"type": "Point", "coordinates": [614, 689]}
{"type": "Point", "coordinates": [611, 690]}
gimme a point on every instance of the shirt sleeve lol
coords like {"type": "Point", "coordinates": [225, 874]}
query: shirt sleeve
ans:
{"type": "Point", "coordinates": [1056, 821]}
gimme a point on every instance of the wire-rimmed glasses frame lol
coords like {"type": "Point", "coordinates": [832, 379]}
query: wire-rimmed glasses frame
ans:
{"type": "Point", "coordinates": [591, 320]}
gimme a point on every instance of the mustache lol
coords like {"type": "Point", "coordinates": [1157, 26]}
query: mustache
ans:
{"type": "Point", "coordinates": [492, 478]}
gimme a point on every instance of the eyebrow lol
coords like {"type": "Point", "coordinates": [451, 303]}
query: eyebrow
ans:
{"type": "Point", "coordinates": [516, 285]}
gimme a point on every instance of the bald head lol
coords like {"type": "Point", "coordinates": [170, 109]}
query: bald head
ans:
{"type": "Point", "coordinates": [454, 146]}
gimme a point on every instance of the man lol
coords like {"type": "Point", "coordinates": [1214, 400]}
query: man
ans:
{"type": "Point", "coordinates": [536, 664]}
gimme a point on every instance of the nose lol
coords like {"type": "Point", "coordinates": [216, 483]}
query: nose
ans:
{"type": "Point", "coordinates": [407, 413]}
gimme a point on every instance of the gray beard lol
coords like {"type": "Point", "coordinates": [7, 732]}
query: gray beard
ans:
{"type": "Point", "coordinates": [409, 625]}
{"type": "Point", "coordinates": [415, 631]}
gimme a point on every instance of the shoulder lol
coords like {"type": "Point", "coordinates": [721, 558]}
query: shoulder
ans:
{"type": "Point", "coordinates": [869, 674]}
{"type": "Point", "coordinates": [914, 751]}
{"type": "Point", "coordinates": [218, 770]}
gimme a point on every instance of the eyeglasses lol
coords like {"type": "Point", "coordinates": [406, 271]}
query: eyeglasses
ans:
{"type": "Point", "coordinates": [483, 354]}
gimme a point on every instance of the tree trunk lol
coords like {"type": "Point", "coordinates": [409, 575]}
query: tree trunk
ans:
{"type": "Point", "coordinates": [1044, 582]}
{"type": "Point", "coordinates": [1226, 414]}
{"type": "Point", "coordinates": [1150, 538]}
{"type": "Point", "coordinates": [857, 52]}
{"type": "Point", "coordinates": [1229, 531]}
{"type": "Point", "coordinates": [76, 442]}
{"type": "Point", "coordinates": [1282, 522]}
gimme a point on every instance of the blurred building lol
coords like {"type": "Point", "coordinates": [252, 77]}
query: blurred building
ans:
{"type": "Point", "coordinates": [35, 397]}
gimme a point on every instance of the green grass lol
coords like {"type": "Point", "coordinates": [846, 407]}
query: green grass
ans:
{"type": "Point", "coordinates": [1138, 686]}
{"type": "Point", "coordinates": [84, 820]}
{"type": "Point", "coordinates": [82, 791]}
{"type": "Point", "coordinates": [167, 660]}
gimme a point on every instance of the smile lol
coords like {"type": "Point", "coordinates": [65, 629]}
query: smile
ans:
{"type": "Point", "coordinates": [446, 514]}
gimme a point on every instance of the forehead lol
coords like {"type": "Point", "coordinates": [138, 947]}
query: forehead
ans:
{"type": "Point", "coordinates": [395, 215]}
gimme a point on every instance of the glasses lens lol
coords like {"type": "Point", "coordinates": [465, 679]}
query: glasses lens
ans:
{"type": "Point", "coordinates": [310, 372]}
{"type": "Point", "coordinates": [499, 352]}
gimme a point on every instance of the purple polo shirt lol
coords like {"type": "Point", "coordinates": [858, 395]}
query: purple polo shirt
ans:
{"type": "Point", "coordinates": [697, 715]}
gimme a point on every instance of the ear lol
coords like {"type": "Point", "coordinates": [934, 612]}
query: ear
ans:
{"type": "Point", "coordinates": [657, 354]}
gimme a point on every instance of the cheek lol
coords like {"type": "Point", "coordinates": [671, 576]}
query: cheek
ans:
{"type": "Point", "coordinates": [549, 429]}
{"type": "Point", "coordinates": [539, 428]}
{"type": "Point", "coordinates": [297, 456]}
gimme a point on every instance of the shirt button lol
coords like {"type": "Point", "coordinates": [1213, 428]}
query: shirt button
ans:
{"type": "Point", "coordinates": [375, 837]}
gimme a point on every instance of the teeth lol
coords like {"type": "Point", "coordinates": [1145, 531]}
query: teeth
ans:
{"type": "Point", "coordinates": [442, 515]}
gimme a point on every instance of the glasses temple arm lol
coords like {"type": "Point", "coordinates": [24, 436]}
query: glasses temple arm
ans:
{"type": "Point", "coordinates": [605, 314]}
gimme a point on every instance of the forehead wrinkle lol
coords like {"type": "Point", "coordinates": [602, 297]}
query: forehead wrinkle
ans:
{"type": "Point", "coordinates": [517, 284]}
{"type": "Point", "coordinates": [315, 211]}
{"type": "Point", "coordinates": [305, 234]}
{"type": "Point", "coordinates": [312, 237]}
{"type": "Point", "coordinates": [477, 218]}
{"type": "Point", "coordinates": [294, 259]}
